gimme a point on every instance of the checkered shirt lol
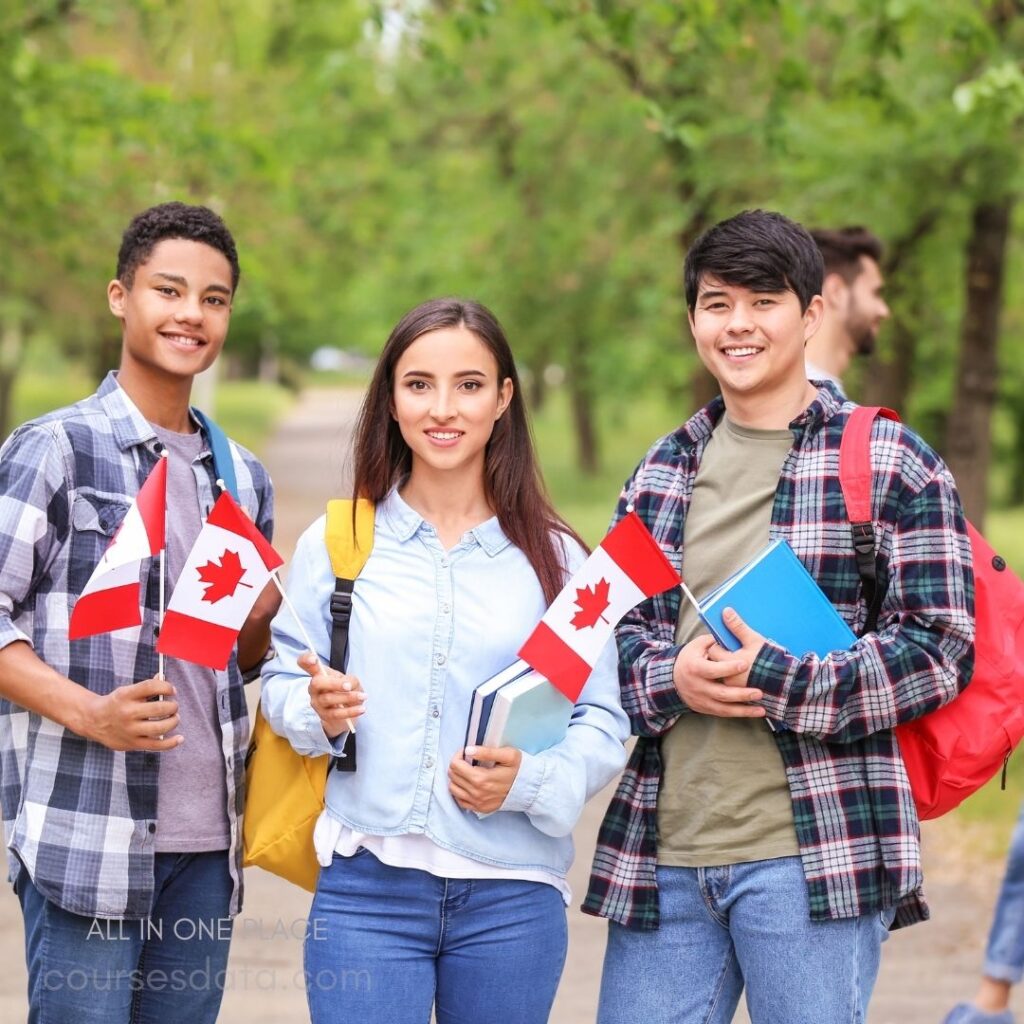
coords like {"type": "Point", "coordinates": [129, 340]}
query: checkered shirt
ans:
{"type": "Point", "coordinates": [82, 817]}
{"type": "Point", "coordinates": [856, 825]}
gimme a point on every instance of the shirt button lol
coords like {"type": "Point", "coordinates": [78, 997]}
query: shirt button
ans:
{"type": "Point", "coordinates": [152, 827]}
{"type": "Point", "coordinates": [429, 762]}
{"type": "Point", "coordinates": [444, 563]}
{"type": "Point", "coordinates": [446, 608]}
{"type": "Point", "coordinates": [434, 712]}
{"type": "Point", "coordinates": [439, 659]}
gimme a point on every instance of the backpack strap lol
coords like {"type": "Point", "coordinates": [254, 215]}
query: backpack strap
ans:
{"type": "Point", "coordinates": [855, 479]}
{"type": "Point", "coordinates": [223, 463]}
{"type": "Point", "coordinates": [348, 535]}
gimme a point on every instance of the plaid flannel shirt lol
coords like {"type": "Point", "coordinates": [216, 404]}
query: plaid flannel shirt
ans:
{"type": "Point", "coordinates": [856, 824]}
{"type": "Point", "coordinates": [80, 816]}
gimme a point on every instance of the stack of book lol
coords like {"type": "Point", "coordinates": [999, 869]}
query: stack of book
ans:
{"type": "Point", "coordinates": [518, 707]}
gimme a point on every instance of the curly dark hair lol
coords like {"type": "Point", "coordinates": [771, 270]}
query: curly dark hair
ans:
{"type": "Point", "coordinates": [173, 220]}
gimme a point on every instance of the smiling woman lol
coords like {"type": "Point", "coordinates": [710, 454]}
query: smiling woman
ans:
{"type": "Point", "coordinates": [447, 400]}
{"type": "Point", "coordinates": [467, 554]}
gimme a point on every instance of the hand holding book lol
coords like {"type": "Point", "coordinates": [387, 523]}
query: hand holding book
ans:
{"type": "Point", "coordinates": [480, 788]}
{"type": "Point", "coordinates": [737, 661]}
{"type": "Point", "coordinates": [702, 667]}
{"type": "Point", "coordinates": [785, 604]}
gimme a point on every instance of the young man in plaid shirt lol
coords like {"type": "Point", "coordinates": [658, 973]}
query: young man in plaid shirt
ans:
{"type": "Point", "coordinates": [764, 834]}
{"type": "Point", "coordinates": [121, 816]}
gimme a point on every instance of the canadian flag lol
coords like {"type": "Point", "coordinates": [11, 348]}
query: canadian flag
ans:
{"type": "Point", "coordinates": [110, 600]}
{"type": "Point", "coordinates": [227, 568]}
{"type": "Point", "coordinates": [627, 567]}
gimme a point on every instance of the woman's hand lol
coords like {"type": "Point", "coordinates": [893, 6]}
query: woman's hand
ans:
{"type": "Point", "coordinates": [480, 789]}
{"type": "Point", "coordinates": [336, 698]}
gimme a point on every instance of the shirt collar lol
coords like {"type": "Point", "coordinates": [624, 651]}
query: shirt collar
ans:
{"type": "Point", "coordinates": [698, 427]}
{"type": "Point", "coordinates": [405, 521]}
{"type": "Point", "coordinates": [129, 426]}
{"type": "Point", "coordinates": [827, 403]}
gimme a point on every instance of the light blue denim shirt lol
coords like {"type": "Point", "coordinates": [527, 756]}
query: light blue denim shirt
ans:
{"type": "Point", "coordinates": [428, 625]}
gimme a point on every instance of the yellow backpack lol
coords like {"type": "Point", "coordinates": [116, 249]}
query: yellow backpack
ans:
{"type": "Point", "coordinates": [284, 790]}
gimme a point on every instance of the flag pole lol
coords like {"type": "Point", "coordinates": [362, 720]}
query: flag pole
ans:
{"type": "Point", "coordinates": [163, 574]}
{"type": "Point", "coordinates": [690, 597]}
{"type": "Point", "coordinates": [302, 630]}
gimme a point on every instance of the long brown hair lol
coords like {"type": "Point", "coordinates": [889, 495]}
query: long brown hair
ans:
{"type": "Point", "coordinates": [512, 480]}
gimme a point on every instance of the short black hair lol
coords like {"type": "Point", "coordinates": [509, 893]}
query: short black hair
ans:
{"type": "Point", "coordinates": [173, 220]}
{"type": "Point", "coordinates": [842, 248]}
{"type": "Point", "coordinates": [756, 249]}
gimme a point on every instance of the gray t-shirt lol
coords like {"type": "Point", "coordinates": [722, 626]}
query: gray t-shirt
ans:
{"type": "Point", "coordinates": [724, 798]}
{"type": "Point", "coordinates": [192, 799]}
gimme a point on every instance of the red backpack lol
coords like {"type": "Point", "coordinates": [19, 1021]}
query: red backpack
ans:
{"type": "Point", "coordinates": [953, 751]}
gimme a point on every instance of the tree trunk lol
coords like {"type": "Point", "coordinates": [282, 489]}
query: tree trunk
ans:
{"type": "Point", "coordinates": [888, 383]}
{"type": "Point", "coordinates": [581, 396]}
{"type": "Point", "coordinates": [1016, 495]}
{"type": "Point", "coordinates": [968, 439]}
{"type": "Point", "coordinates": [105, 355]}
{"type": "Point", "coordinates": [703, 387]}
{"type": "Point", "coordinates": [537, 388]}
{"type": "Point", "coordinates": [11, 346]}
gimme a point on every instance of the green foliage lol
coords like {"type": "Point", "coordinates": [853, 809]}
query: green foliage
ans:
{"type": "Point", "coordinates": [629, 428]}
{"type": "Point", "coordinates": [550, 157]}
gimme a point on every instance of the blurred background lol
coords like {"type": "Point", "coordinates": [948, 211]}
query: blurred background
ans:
{"type": "Point", "coordinates": [552, 158]}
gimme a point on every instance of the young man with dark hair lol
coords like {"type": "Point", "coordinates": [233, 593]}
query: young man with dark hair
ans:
{"type": "Point", "coordinates": [763, 834]}
{"type": "Point", "coordinates": [854, 307]}
{"type": "Point", "coordinates": [121, 814]}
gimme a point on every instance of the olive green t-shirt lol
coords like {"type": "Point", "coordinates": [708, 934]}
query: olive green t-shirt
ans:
{"type": "Point", "coordinates": [724, 797]}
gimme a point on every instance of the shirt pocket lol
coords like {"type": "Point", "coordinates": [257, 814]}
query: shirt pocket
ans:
{"type": "Point", "coordinates": [95, 519]}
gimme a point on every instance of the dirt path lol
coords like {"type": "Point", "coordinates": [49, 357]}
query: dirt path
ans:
{"type": "Point", "coordinates": [925, 968]}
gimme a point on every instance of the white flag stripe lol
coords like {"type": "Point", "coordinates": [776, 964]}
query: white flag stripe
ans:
{"type": "Point", "coordinates": [119, 576]}
{"type": "Point", "coordinates": [130, 543]}
{"type": "Point", "coordinates": [189, 592]}
{"type": "Point", "coordinates": [623, 594]}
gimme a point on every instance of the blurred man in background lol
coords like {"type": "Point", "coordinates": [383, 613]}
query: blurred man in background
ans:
{"type": "Point", "coordinates": [854, 306]}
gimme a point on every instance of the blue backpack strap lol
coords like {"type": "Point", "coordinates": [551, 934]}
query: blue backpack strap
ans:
{"type": "Point", "coordinates": [223, 464]}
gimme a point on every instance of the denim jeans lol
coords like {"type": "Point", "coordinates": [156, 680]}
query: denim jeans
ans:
{"type": "Point", "coordinates": [166, 969]}
{"type": "Point", "coordinates": [386, 943]}
{"type": "Point", "coordinates": [1004, 954]}
{"type": "Point", "coordinates": [723, 928]}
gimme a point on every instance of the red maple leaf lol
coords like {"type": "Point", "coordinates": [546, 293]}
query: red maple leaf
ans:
{"type": "Point", "coordinates": [591, 603]}
{"type": "Point", "coordinates": [222, 578]}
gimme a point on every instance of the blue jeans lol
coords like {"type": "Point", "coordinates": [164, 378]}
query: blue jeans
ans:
{"type": "Point", "coordinates": [723, 928]}
{"type": "Point", "coordinates": [1004, 954]}
{"type": "Point", "coordinates": [166, 969]}
{"type": "Point", "coordinates": [385, 943]}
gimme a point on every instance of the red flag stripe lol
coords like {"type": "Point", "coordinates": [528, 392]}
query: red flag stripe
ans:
{"type": "Point", "coordinates": [205, 643]}
{"type": "Point", "coordinates": [554, 659]}
{"type": "Point", "coordinates": [228, 516]}
{"type": "Point", "coordinates": [152, 503]}
{"type": "Point", "coordinates": [104, 610]}
{"type": "Point", "coordinates": [637, 554]}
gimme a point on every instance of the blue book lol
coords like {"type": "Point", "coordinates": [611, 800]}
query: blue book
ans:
{"type": "Point", "coordinates": [776, 595]}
